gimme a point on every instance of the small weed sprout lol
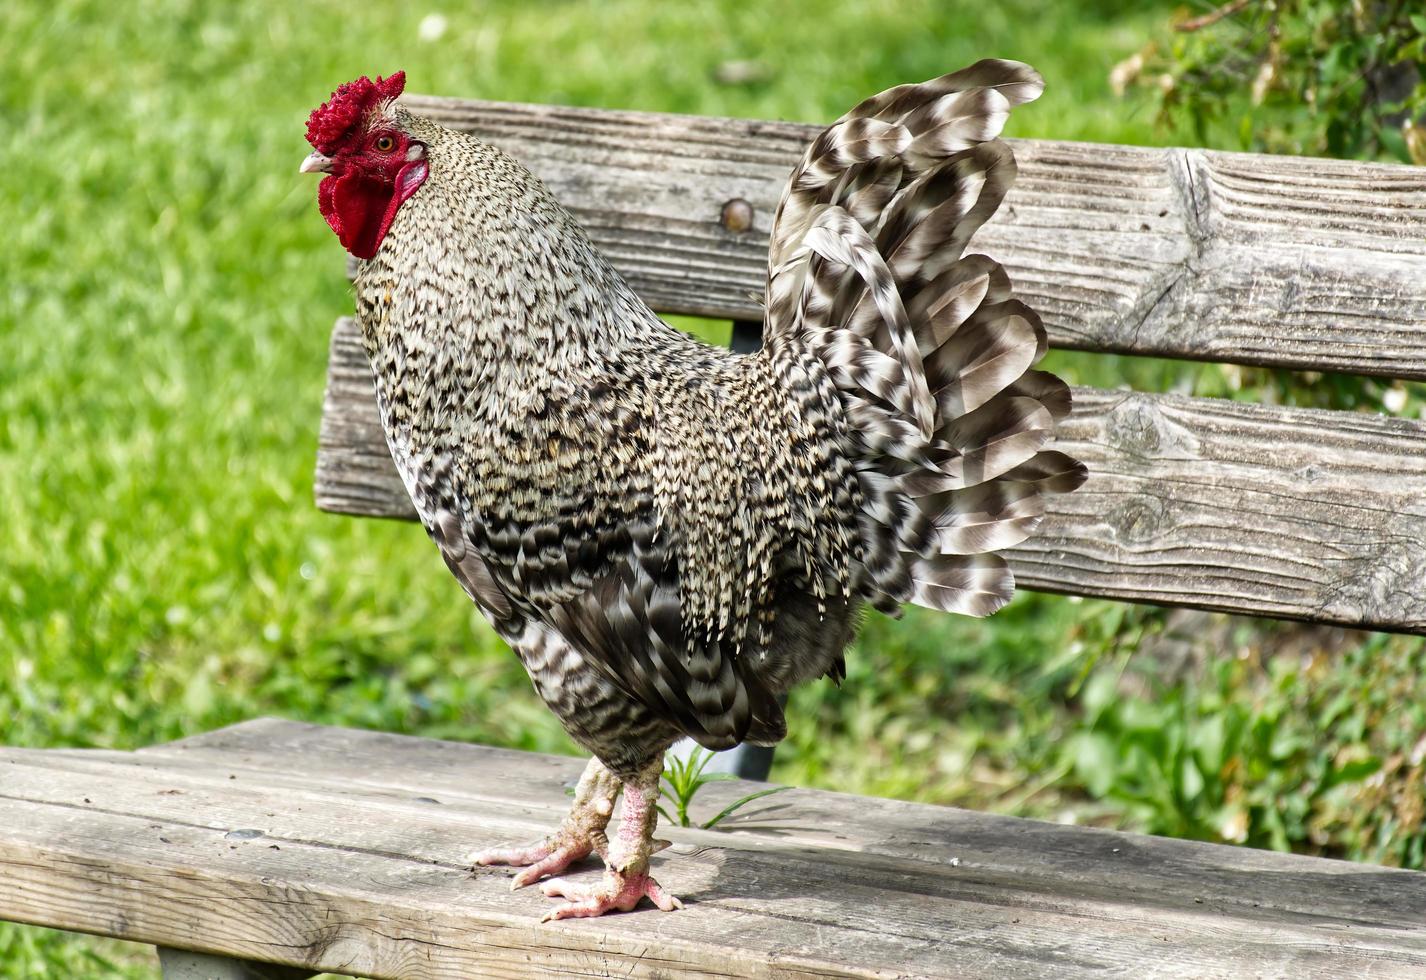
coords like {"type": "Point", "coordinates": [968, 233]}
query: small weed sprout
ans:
{"type": "Point", "coordinates": [683, 778]}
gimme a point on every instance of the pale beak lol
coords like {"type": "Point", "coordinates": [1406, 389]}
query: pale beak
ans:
{"type": "Point", "coordinates": [316, 163]}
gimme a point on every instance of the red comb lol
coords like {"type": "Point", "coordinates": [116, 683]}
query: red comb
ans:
{"type": "Point", "coordinates": [331, 121]}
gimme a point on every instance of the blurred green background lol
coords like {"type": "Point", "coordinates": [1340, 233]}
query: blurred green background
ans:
{"type": "Point", "coordinates": [168, 287]}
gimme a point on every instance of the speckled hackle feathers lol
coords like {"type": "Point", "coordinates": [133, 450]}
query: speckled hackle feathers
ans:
{"type": "Point", "coordinates": [672, 535]}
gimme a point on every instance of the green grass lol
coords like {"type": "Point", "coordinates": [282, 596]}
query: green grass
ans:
{"type": "Point", "coordinates": [168, 289]}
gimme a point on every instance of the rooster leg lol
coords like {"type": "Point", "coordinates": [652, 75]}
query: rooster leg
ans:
{"type": "Point", "coordinates": [626, 879]}
{"type": "Point", "coordinates": [581, 834]}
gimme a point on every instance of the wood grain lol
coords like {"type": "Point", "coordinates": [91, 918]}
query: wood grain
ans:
{"type": "Point", "coordinates": [1283, 261]}
{"type": "Point", "coordinates": [342, 850]}
{"type": "Point", "coordinates": [1300, 514]}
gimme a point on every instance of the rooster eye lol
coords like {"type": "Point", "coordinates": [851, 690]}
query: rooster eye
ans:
{"type": "Point", "coordinates": [385, 144]}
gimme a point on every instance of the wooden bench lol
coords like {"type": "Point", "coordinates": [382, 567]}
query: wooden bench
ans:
{"type": "Point", "coordinates": [325, 849]}
{"type": "Point", "coordinates": [341, 850]}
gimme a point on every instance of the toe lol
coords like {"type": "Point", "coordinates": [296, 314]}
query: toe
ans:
{"type": "Point", "coordinates": [588, 908]}
{"type": "Point", "coordinates": [509, 855]}
{"type": "Point", "coordinates": [553, 864]}
{"type": "Point", "coordinates": [530, 875]}
{"type": "Point", "coordinates": [559, 888]}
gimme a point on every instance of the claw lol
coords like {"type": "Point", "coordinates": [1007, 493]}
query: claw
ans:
{"type": "Point", "coordinates": [626, 880]}
{"type": "Point", "coordinates": [661, 898]}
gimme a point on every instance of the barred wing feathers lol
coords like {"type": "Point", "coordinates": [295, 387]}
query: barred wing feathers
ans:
{"type": "Point", "coordinates": [931, 353]}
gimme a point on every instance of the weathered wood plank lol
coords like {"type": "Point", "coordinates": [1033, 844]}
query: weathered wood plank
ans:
{"type": "Point", "coordinates": [1284, 261]}
{"type": "Point", "coordinates": [398, 765]}
{"type": "Point", "coordinates": [355, 873]}
{"type": "Point", "coordinates": [1294, 513]}
{"type": "Point", "coordinates": [182, 964]}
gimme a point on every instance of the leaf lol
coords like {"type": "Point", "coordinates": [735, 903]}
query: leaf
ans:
{"type": "Point", "coordinates": [1393, 141]}
{"type": "Point", "coordinates": [738, 804]}
{"type": "Point", "coordinates": [1209, 738]}
{"type": "Point", "coordinates": [1190, 780]}
{"type": "Point", "coordinates": [1094, 761]}
{"type": "Point", "coordinates": [1351, 772]}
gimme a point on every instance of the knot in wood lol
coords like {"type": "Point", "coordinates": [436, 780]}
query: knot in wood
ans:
{"type": "Point", "coordinates": [1144, 426]}
{"type": "Point", "coordinates": [1139, 520]}
{"type": "Point", "coordinates": [737, 216]}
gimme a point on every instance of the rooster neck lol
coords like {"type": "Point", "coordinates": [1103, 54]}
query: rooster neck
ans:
{"type": "Point", "coordinates": [484, 283]}
{"type": "Point", "coordinates": [483, 261]}
{"type": "Point", "coordinates": [487, 311]}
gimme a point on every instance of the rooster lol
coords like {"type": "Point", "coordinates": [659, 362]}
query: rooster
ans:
{"type": "Point", "coordinates": [669, 535]}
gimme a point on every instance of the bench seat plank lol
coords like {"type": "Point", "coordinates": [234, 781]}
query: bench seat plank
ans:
{"type": "Point", "coordinates": [1296, 513]}
{"type": "Point", "coordinates": [358, 870]}
{"type": "Point", "coordinates": [1284, 261]}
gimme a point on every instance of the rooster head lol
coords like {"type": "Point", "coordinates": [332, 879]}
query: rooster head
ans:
{"type": "Point", "coordinates": [372, 164]}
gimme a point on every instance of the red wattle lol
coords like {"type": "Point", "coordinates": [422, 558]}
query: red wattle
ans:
{"type": "Point", "coordinates": [360, 210]}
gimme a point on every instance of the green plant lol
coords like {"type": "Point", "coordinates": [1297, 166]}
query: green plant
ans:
{"type": "Point", "coordinates": [683, 778]}
{"type": "Point", "coordinates": [1289, 737]}
{"type": "Point", "coordinates": [1338, 77]}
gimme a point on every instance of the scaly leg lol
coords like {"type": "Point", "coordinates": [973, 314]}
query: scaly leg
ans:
{"type": "Point", "coordinates": [581, 834]}
{"type": "Point", "coordinates": [626, 879]}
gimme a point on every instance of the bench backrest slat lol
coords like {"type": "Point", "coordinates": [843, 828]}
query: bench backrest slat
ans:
{"type": "Point", "coordinates": [1282, 261]}
{"type": "Point", "coordinates": [1295, 513]}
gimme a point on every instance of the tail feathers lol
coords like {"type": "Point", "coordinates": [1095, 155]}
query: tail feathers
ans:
{"type": "Point", "coordinates": [1050, 472]}
{"type": "Point", "coordinates": [972, 585]}
{"type": "Point", "coordinates": [946, 115]}
{"type": "Point", "coordinates": [984, 445]}
{"type": "Point", "coordinates": [1047, 389]}
{"type": "Point", "coordinates": [834, 247]}
{"type": "Point", "coordinates": [930, 352]}
{"type": "Point", "coordinates": [929, 223]}
{"type": "Point", "coordinates": [985, 518]}
{"type": "Point", "coordinates": [1017, 83]}
{"type": "Point", "coordinates": [990, 350]}
{"type": "Point", "coordinates": [946, 302]}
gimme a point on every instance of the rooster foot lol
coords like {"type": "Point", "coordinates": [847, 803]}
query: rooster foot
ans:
{"type": "Point", "coordinates": [626, 876]}
{"type": "Point", "coordinates": [619, 890]}
{"type": "Point", "coordinates": [550, 856]}
{"type": "Point", "coordinates": [581, 834]}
